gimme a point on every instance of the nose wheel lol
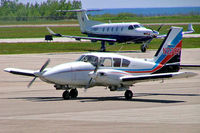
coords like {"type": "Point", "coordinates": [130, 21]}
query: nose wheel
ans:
{"type": "Point", "coordinates": [143, 48]}
{"type": "Point", "coordinates": [128, 94]}
{"type": "Point", "coordinates": [68, 95]}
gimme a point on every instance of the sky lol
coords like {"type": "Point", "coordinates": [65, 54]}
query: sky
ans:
{"type": "Point", "coordinates": [132, 3]}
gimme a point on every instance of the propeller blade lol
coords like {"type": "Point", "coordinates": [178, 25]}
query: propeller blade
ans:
{"type": "Point", "coordinates": [45, 65]}
{"type": "Point", "coordinates": [29, 85]}
{"type": "Point", "coordinates": [88, 85]}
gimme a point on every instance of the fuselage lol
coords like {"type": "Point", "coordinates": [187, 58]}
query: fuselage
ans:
{"type": "Point", "coordinates": [78, 73]}
{"type": "Point", "coordinates": [122, 32]}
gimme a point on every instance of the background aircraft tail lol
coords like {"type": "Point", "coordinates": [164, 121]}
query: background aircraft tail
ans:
{"type": "Point", "coordinates": [83, 19]}
{"type": "Point", "coordinates": [169, 52]}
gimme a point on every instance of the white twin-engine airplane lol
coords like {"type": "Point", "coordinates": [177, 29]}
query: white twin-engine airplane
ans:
{"type": "Point", "coordinates": [113, 32]}
{"type": "Point", "coordinates": [114, 71]}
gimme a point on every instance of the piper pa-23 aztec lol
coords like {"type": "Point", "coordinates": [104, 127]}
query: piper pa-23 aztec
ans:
{"type": "Point", "coordinates": [113, 32]}
{"type": "Point", "coordinates": [114, 71]}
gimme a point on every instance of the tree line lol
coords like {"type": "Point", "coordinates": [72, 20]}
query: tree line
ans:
{"type": "Point", "coordinates": [10, 10]}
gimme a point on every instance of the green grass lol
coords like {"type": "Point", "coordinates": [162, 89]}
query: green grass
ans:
{"type": "Point", "coordinates": [25, 48]}
{"type": "Point", "coordinates": [34, 32]}
{"type": "Point", "coordinates": [115, 18]}
{"type": "Point", "coordinates": [153, 19]}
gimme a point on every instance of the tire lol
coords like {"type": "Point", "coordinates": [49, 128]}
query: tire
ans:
{"type": "Point", "coordinates": [128, 94]}
{"type": "Point", "coordinates": [73, 93]}
{"type": "Point", "coordinates": [143, 48]}
{"type": "Point", "coordinates": [66, 95]}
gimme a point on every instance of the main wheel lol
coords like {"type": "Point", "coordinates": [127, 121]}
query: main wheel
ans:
{"type": "Point", "coordinates": [66, 95]}
{"type": "Point", "coordinates": [143, 48]}
{"type": "Point", "coordinates": [73, 93]}
{"type": "Point", "coordinates": [128, 94]}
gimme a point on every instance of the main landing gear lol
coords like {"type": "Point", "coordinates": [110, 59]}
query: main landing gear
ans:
{"type": "Point", "coordinates": [128, 94]}
{"type": "Point", "coordinates": [103, 46]}
{"type": "Point", "coordinates": [73, 93]}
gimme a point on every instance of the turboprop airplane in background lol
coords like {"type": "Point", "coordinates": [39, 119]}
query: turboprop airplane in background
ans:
{"type": "Point", "coordinates": [113, 32]}
{"type": "Point", "coordinates": [114, 71]}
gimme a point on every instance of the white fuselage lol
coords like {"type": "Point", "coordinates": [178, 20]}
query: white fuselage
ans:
{"type": "Point", "coordinates": [120, 29]}
{"type": "Point", "coordinates": [78, 73]}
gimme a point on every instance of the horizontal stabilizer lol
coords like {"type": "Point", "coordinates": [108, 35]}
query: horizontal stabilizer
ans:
{"type": "Point", "coordinates": [192, 67]}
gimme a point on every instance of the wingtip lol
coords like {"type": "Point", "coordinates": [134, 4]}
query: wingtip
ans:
{"type": "Point", "coordinates": [7, 69]}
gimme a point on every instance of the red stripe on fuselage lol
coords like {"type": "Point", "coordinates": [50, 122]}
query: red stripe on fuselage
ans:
{"type": "Point", "coordinates": [168, 57]}
{"type": "Point", "coordinates": [150, 71]}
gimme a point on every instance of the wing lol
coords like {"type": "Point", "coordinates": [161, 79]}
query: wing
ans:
{"type": "Point", "coordinates": [153, 77]}
{"type": "Point", "coordinates": [20, 72]}
{"type": "Point", "coordinates": [81, 37]}
{"type": "Point", "coordinates": [189, 31]}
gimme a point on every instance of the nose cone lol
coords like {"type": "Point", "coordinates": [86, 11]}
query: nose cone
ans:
{"type": "Point", "coordinates": [145, 32]}
{"type": "Point", "coordinates": [56, 74]}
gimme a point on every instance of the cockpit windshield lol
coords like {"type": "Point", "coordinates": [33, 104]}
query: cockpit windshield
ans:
{"type": "Point", "coordinates": [136, 26]}
{"type": "Point", "coordinates": [89, 58]}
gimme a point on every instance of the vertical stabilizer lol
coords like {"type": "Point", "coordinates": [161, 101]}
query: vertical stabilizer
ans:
{"type": "Point", "coordinates": [169, 53]}
{"type": "Point", "coordinates": [85, 23]}
{"type": "Point", "coordinates": [170, 49]}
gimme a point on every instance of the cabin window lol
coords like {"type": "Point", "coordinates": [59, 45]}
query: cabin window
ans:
{"type": "Point", "coordinates": [116, 62]}
{"type": "Point", "coordinates": [130, 27]}
{"type": "Point", "coordinates": [125, 63]}
{"type": "Point", "coordinates": [103, 29]}
{"type": "Point", "coordinates": [106, 62]}
{"type": "Point", "coordinates": [122, 28]}
{"type": "Point", "coordinates": [107, 29]}
{"type": "Point", "coordinates": [116, 28]}
{"type": "Point", "coordinates": [95, 29]}
{"type": "Point", "coordinates": [112, 29]}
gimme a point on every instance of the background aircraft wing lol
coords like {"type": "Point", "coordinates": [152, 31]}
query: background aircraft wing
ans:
{"type": "Point", "coordinates": [189, 31]}
{"type": "Point", "coordinates": [81, 37]}
{"type": "Point", "coordinates": [154, 77]}
{"type": "Point", "coordinates": [20, 72]}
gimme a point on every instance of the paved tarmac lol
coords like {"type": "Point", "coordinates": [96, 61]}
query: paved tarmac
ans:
{"type": "Point", "coordinates": [169, 107]}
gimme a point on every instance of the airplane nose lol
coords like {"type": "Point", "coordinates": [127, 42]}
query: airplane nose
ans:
{"type": "Point", "coordinates": [155, 32]}
{"type": "Point", "coordinates": [49, 76]}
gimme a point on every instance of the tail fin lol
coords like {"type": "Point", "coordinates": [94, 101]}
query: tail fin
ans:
{"type": "Point", "coordinates": [170, 49]}
{"type": "Point", "coordinates": [83, 20]}
{"type": "Point", "coordinates": [169, 53]}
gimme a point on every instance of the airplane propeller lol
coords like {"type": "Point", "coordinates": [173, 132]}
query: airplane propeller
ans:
{"type": "Point", "coordinates": [94, 72]}
{"type": "Point", "coordinates": [38, 74]}
{"type": "Point", "coordinates": [155, 31]}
